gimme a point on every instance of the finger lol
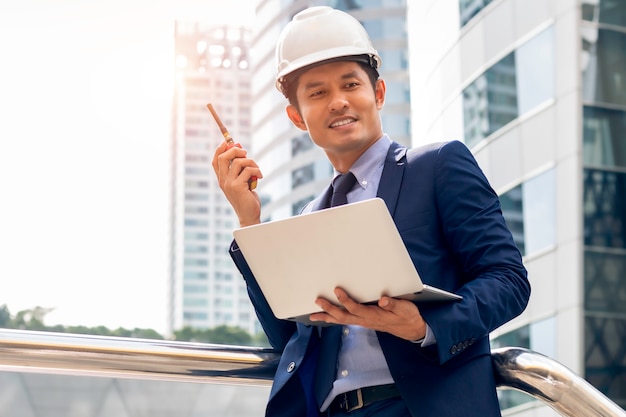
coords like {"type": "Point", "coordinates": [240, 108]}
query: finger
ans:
{"type": "Point", "coordinates": [242, 170]}
{"type": "Point", "coordinates": [218, 151]}
{"type": "Point", "coordinates": [334, 313]}
{"type": "Point", "coordinates": [225, 161]}
{"type": "Point", "coordinates": [349, 303]}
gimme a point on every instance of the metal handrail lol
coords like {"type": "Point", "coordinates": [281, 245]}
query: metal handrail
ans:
{"type": "Point", "coordinates": [549, 381]}
{"type": "Point", "coordinates": [86, 355]}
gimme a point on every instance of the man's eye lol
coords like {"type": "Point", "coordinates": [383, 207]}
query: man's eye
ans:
{"type": "Point", "coordinates": [317, 93]}
{"type": "Point", "coordinates": [352, 84]}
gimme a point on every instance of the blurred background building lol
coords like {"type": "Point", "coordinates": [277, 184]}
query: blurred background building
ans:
{"type": "Point", "coordinates": [212, 66]}
{"type": "Point", "coordinates": [537, 90]}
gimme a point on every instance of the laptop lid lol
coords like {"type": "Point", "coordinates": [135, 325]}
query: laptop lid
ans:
{"type": "Point", "coordinates": [355, 246]}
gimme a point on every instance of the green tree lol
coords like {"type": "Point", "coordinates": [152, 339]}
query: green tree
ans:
{"type": "Point", "coordinates": [228, 335]}
{"type": "Point", "coordinates": [224, 335]}
{"type": "Point", "coordinates": [5, 316]}
{"type": "Point", "coordinates": [33, 319]}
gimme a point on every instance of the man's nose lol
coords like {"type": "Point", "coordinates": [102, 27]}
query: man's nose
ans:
{"type": "Point", "coordinates": [338, 102]}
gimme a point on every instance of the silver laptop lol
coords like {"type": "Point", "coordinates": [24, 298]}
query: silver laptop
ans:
{"type": "Point", "coordinates": [355, 246]}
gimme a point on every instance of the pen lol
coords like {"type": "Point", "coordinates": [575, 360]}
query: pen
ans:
{"type": "Point", "coordinates": [252, 182]}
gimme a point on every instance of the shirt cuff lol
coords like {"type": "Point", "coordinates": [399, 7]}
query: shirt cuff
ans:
{"type": "Point", "coordinates": [428, 339]}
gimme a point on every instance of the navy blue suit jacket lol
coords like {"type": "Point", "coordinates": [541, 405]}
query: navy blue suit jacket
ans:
{"type": "Point", "coordinates": [450, 220]}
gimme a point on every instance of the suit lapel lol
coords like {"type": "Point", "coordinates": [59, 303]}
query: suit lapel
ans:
{"type": "Point", "coordinates": [391, 178]}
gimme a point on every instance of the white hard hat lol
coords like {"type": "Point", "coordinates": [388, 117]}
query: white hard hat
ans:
{"type": "Point", "coordinates": [319, 34]}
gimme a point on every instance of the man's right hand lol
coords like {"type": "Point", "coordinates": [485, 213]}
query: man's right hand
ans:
{"type": "Point", "coordinates": [233, 170]}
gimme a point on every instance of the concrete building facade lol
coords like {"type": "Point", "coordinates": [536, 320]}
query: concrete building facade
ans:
{"type": "Point", "coordinates": [537, 90]}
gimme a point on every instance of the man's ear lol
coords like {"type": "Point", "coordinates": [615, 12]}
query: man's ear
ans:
{"type": "Point", "coordinates": [381, 90]}
{"type": "Point", "coordinates": [294, 116]}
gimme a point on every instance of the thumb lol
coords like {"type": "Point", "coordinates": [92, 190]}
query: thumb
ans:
{"type": "Point", "coordinates": [387, 303]}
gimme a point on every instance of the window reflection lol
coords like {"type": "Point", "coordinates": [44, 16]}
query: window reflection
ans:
{"type": "Point", "coordinates": [605, 286]}
{"type": "Point", "coordinates": [605, 362]}
{"type": "Point", "coordinates": [604, 205]}
{"type": "Point", "coordinates": [512, 210]}
{"type": "Point", "coordinates": [516, 84]}
{"type": "Point", "coordinates": [302, 175]}
{"type": "Point", "coordinates": [611, 12]}
{"type": "Point", "coordinates": [539, 212]}
{"type": "Point", "coordinates": [535, 71]}
{"type": "Point", "coordinates": [604, 66]}
{"type": "Point", "coordinates": [603, 137]}
{"type": "Point", "coordinates": [470, 8]}
{"type": "Point", "coordinates": [529, 212]}
{"type": "Point", "coordinates": [296, 208]}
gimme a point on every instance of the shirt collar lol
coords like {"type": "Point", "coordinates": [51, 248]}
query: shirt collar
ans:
{"type": "Point", "coordinates": [372, 159]}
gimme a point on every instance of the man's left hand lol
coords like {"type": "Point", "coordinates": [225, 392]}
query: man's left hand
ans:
{"type": "Point", "coordinates": [399, 317]}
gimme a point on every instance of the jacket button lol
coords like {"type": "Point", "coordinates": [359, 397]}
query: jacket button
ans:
{"type": "Point", "coordinates": [291, 367]}
{"type": "Point", "coordinates": [453, 350]}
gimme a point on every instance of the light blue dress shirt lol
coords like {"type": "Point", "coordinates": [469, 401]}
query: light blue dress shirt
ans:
{"type": "Point", "coordinates": [361, 362]}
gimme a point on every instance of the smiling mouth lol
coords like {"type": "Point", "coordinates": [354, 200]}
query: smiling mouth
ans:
{"type": "Point", "coordinates": [343, 122]}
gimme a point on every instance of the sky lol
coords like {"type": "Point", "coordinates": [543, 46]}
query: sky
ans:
{"type": "Point", "coordinates": [85, 100]}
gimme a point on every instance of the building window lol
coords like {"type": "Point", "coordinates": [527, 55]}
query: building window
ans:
{"type": "Point", "coordinates": [610, 12]}
{"type": "Point", "coordinates": [196, 158]}
{"type": "Point", "coordinates": [530, 213]}
{"type": "Point", "coordinates": [196, 223]}
{"type": "Point", "coordinates": [516, 84]}
{"type": "Point", "coordinates": [470, 8]}
{"type": "Point", "coordinates": [196, 197]}
{"type": "Point", "coordinates": [603, 137]}
{"type": "Point", "coordinates": [196, 236]}
{"type": "Point", "coordinates": [195, 249]}
{"type": "Point", "coordinates": [300, 144]}
{"type": "Point", "coordinates": [296, 208]}
{"type": "Point", "coordinates": [604, 208]}
{"type": "Point", "coordinates": [196, 209]}
{"type": "Point", "coordinates": [192, 315]}
{"type": "Point", "coordinates": [604, 66]}
{"type": "Point", "coordinates": [196, 262]}
{"type": "Point", "coordinates": [196, 171]}
{"type": "Point", "coordinates": [195, 275]}
{"type": "Point", "coordinates": [195, 302]}
{"type": "Point", "coordinates": [302, 175]}
{"type": "Point", "coordinates": [196, 184]}
{"type": "Point", "coordinates": [195, 289]}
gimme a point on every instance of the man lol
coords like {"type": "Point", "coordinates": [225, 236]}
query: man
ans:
{"type": "Point", "coordinates": [395, 358]}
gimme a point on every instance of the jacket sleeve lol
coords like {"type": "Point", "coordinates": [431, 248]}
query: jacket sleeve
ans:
{"type": "Point", "coordinates": [278, 331]}
{"type": "Point", "coordinates": [484, 259]}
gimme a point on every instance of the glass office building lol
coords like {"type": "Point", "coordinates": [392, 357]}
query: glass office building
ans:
{"type": "Point", "coordinates": [537, 90]}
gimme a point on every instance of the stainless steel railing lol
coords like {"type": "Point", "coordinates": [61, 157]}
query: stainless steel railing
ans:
{"type": "Point", "coordinates": [70, 354]}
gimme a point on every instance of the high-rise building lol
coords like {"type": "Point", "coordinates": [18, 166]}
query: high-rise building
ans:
{"type": "Point", "coordinates": [212, 66]}
{"type": "Point", "coordinates": [537, 90]}
{"type": "Point", "coordinates": [294, 169]}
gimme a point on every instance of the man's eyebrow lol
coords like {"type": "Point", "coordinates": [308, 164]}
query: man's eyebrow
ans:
{"type": "Point", "coordinates": [315, 84]}
{"type": "Point", "coordinates": [351, 74]}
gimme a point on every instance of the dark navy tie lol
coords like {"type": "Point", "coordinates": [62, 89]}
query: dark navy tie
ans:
{"type": "Point", "coordinates": [341, 186]}
{"type": "Point", "coordinates": [331, 336]}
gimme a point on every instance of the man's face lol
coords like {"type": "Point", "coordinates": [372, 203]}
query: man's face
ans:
{"type": "Point", "coordinates": [339, 108]}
